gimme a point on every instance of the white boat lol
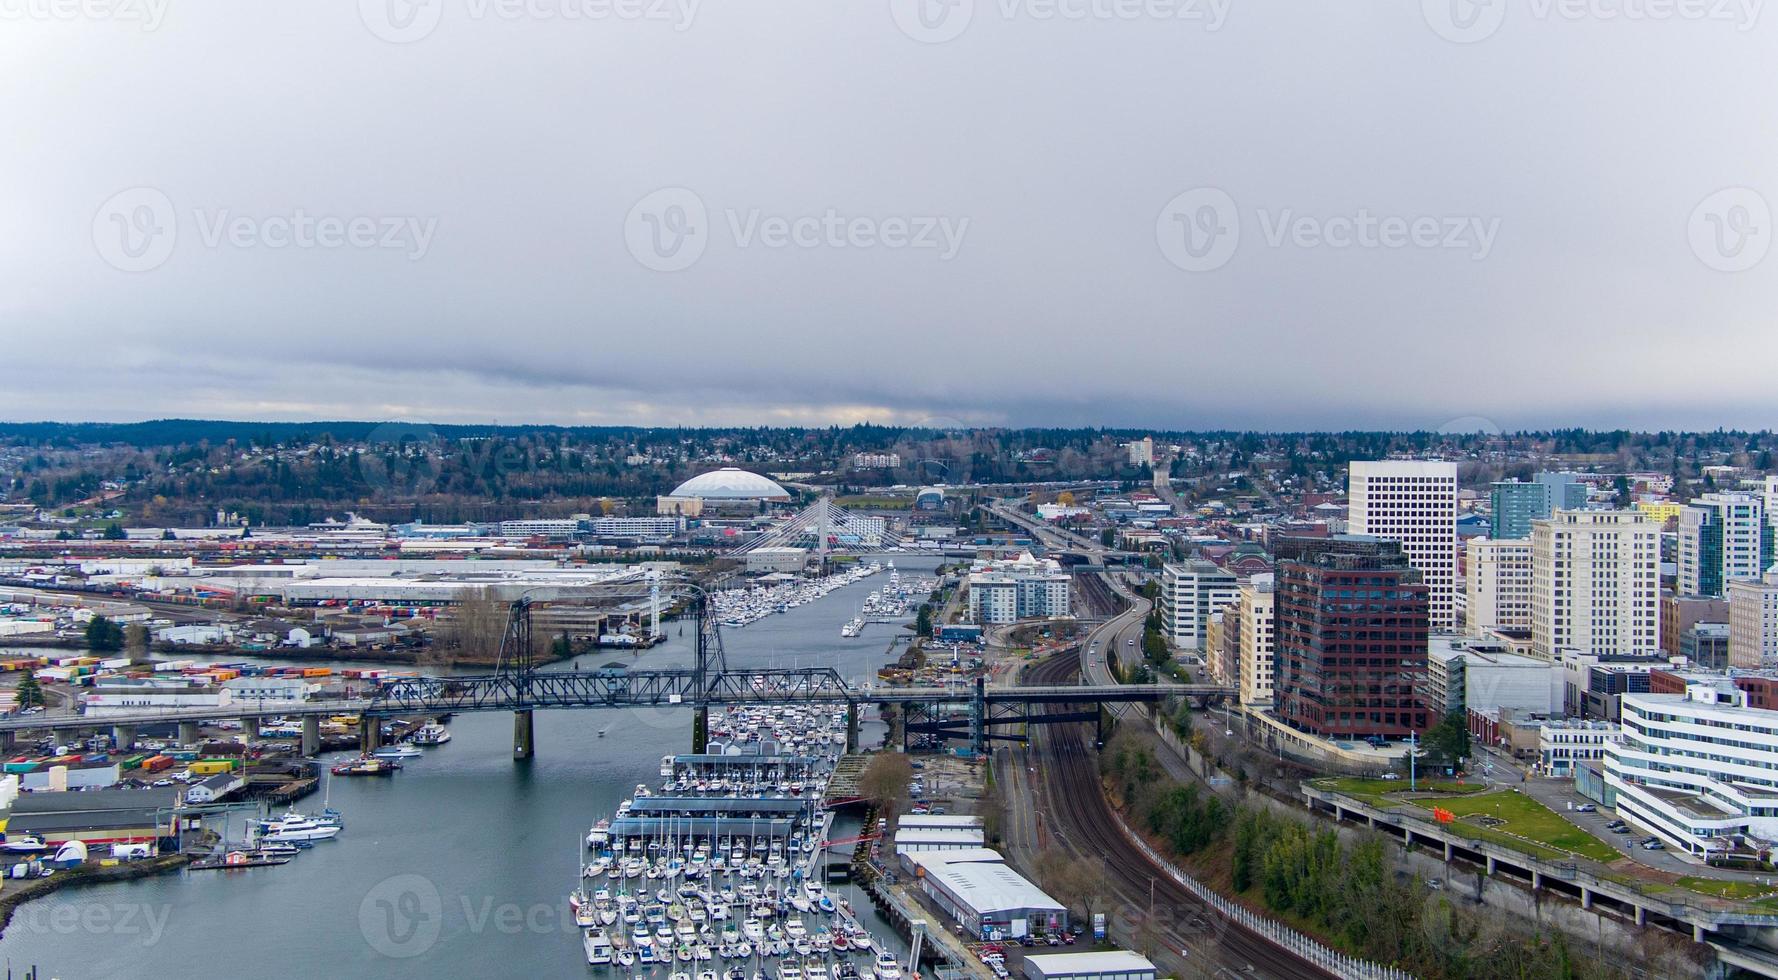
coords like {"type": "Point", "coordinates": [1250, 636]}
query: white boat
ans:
{"type": "Point", "coordinates": [625, 956]}
{"type": "Point", "coordinates": [398, 752]}
{"type": "Point", "coordinates": [288, 829]}
{"type": "Point", "coordinates": [598, 947]}
{"type": "Point", "coordinates": [23, 844]}
{"type": "Point", "coordinates": [886, 968]}
{"type": "Point", "coordinates": [431, 733]}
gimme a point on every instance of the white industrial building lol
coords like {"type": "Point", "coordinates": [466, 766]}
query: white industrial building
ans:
{"type": "Point", "coordinates": [908, 839]}
{"type": "Point", "coordinates": [991, 900]}
{"type": "Point", "coordinates": [1699, 769]}
{"type": "Point", "coordinates": [1116, 964]}
{"type": "Point", "coordinates": [790, 560]}
{"type": "Point", "coordinates": [215, 788]}
{"type": "Point", "coordinates": [636, 527]}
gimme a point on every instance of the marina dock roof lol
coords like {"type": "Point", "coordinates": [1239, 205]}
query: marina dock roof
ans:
{"type": "Point", "coordinates": [668, 806]}
{"type": "Point", "coordinates": [702, 826]}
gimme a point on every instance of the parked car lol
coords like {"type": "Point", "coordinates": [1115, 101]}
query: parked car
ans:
{"type": "Point", "coordinates": [1654, 845]}
{"type": "Point", "coordinates": [1585, 808]}
{"type": "Point", "coordinates": [1391, 775]}
{"type": "Point", "coordinates": [1619, 829]}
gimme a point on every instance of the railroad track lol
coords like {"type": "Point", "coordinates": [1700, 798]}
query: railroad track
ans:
{"type": "Point", "coordinates": [1080, 818]}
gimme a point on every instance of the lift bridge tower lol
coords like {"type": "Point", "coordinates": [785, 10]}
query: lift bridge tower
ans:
{"type": "Point", "coordinates": [517, 669]}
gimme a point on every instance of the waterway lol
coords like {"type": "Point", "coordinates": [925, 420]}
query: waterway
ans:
{"type": "Point", "coordinates": [459, 866]}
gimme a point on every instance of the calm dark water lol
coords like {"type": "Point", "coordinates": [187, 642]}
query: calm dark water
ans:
{"type": "Point", "coordinates": [459, 866]}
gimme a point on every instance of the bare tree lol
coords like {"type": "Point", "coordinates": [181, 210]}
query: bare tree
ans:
{"type": "Point", "coordinates": [477, 625]}
{"type": "Point", "coordinates": [885, 780]}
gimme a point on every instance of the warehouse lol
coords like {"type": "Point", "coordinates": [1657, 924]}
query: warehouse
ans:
{"type": "Point", "coordinates": [937, 838]}
{"type": "Point", "coordinates": [917, 862]}
{"type": "Point", "coordinates": [992, 901]}
{"type": "Point", "coordinates": [215, 788]}
{"type": "Point", "coordinates": [95, 816]}
{"type": "Point", "coordinates": [1115, 964]}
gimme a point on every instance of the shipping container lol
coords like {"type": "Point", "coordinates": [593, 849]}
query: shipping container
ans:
{"type": "Point", "coordinates": [157, 763]}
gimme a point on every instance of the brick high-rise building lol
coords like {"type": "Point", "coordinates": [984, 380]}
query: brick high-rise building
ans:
{"type": "Point", "coordinates": [1350, 631]}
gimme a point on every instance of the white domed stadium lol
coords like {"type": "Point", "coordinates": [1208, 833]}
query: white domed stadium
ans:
{"type": "Point", "coordinates": [731, 483]}
{"type": "Point", "coordinates": [728, 489]}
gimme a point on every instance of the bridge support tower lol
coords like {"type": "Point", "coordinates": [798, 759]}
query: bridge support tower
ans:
{"type": "Point", "coordinates": [123, 736]}
{"type": "Point", "coordinates": [700, 728]}
{"type": "Point", "coordinates": [370, 734]}
{"type": "Point", "coordinates": [524, 735]}
{"type": "Point", "coordinates": [851, 727]}
{"type": "Point", "coordinates": [311, 744]}
{"type": "Point", "coordinates": [188, 733]}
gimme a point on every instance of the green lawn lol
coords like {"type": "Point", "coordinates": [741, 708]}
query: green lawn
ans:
{"type": "Point", "coordinates": [1523, 820]}
{"type": "Point", "coordinates": [1373, 790]}
{"type": "Point", "coordinates": [1740, 890]}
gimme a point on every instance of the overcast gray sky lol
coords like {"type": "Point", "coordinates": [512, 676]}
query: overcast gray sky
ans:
{"type": "Point", "coordinates": [1179, 213]}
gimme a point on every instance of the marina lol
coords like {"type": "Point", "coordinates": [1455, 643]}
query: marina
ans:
{"type": "Point", "coordinates": [737, 608]}
{"type": "Point", "coordinates": [722, 868]}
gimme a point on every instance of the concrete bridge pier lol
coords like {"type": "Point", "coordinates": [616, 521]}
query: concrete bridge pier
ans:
{"type": "Point", "coordinates": [9, 741]}
{"type": "Point", "coordinates": [249, 729]}
{"type": "Point", "coordinates": [188, 733]}
{"type": "Point", "coordinates": [370, 734]}
{"type": "Point", "coordinates": [311, 744]}
{"type": "Point", "coordinates": [123, 736]}
{"type": "Point", "coordinates": [524, 744]}
{"type": "Point", "coordinates": [851, 727]}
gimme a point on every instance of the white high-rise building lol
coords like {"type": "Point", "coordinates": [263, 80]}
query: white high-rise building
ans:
{"type": "Point", "coordinates": [1256, 665]}
{"type": "Point", "coordinates": [1595, 583]}
{"type": "Point", "coordinates": [1753, 622]}
{"type": "Point", "coordinates": [1141, 451]}
{"type": "Point", "coordinates": [1723, 537]}
{"type": "Point", "coordinates": [1413, 502]}
{"type": "Point", "coordinates": [1191, 592]}
{"type": "Point", "coordinates": [1498, 584]}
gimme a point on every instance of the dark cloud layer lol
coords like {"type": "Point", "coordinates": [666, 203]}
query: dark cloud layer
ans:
{"type": "Point", "coordinates": [786, 212]}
